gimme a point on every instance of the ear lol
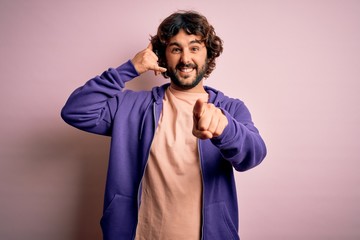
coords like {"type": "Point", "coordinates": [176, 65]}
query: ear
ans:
{"type": "Point", "coordinates": [165, 74]}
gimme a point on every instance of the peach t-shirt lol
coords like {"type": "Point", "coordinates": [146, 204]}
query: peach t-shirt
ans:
{"type": "Point", "coordinates": [172, 184]}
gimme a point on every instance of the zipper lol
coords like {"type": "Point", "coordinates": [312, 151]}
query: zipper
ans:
{"type": "Point", "coordinates": [143, 120]}
{"type": "Point", "coordinates": [202, 197]}
{"type": "Point", "coordinates": [143, 173]}
{"type": "Point", "coordinates": [146, 164]}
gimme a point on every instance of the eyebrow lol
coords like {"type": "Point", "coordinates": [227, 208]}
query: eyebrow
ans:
{"type": "Point", "coordinates": [191, 42]}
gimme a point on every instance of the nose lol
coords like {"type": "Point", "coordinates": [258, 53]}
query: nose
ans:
{"type": "Point", "coordinates": [185, 57]}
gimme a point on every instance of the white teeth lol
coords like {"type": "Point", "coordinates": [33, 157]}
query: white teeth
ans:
{"type": "Point", "coordinates": [186, 69]}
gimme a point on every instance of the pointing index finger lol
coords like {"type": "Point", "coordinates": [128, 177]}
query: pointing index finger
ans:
{"type": "Point", "coordinates": [198, 108]}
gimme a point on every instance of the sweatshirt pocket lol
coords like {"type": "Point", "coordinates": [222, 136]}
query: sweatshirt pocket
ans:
{"type": "Point", "coordinates": [218, 223]}
{"type": "Point", "coordinates": [119, 218]}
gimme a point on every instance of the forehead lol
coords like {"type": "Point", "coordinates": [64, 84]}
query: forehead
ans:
{"type": "Point", "coordinates": [183, 39]}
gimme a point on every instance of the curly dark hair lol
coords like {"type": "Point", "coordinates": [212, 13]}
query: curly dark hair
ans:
{"type": "Point", "coordinates": [192, 23]}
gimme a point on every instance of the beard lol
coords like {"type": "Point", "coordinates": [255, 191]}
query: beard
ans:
{"type": "Point", "coordinates": [176, 79]}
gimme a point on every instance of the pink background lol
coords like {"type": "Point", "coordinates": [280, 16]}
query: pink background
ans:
{"type": "Point", "coordinates": [296, 64]}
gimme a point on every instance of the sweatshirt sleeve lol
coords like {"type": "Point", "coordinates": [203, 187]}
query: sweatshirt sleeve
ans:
{"type": "Point", "coordinates": [91, 107]}
{"type": "Point", "coordinates": [241, 143]}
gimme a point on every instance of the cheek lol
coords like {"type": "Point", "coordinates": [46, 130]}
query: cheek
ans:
{"type": "Point", "coordinates": [201, 61]}
{"type": "Point", "coordinates": [202, 58]}
{"type": "Point", "coordinates": [171, 61]}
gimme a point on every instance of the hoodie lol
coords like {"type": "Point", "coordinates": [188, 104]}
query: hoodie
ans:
{"type": "Point", "coordinates": [103, 106]}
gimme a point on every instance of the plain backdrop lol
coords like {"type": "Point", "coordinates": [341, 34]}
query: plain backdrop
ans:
{"type": "Point", "coordinates": [295, 64]}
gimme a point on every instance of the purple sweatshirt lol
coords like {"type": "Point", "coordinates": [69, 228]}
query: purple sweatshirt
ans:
{"type": "Point", "coordinates": [102, 106]}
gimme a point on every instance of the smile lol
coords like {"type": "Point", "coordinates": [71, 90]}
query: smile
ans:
{"type": "Point", "coordinates": [186, 69]}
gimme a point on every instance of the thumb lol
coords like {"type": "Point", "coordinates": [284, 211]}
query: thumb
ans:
{"type": "Point", "coordinates": [199, 108]}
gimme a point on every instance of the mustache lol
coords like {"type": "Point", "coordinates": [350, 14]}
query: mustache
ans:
{"type": "Point", "coordinates": [188, 65]}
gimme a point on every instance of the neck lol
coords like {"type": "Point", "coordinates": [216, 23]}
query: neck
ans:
{"type": "Point", "coordinates": [197, 89]}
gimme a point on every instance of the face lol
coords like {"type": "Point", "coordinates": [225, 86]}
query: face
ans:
{"type": "Point", "coordinates": [186, 59]}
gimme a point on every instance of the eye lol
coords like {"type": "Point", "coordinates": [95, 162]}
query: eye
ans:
{"type": "Point", "coordinates": [175, 50]}
{"type": "Point", "coordinates": [195, 49]}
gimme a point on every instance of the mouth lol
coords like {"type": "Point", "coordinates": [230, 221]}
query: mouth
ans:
{"type": "Point", "coordinates": [188, 68]}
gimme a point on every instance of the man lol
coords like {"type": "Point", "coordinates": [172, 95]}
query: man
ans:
{"type": "Point", "coordinates": [173, 148]}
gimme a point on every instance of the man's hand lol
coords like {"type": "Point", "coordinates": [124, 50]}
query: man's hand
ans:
{"type": "Point", "coordinates": [147, 60]}
{"type": "Point", "coordinates": [209, 121]}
